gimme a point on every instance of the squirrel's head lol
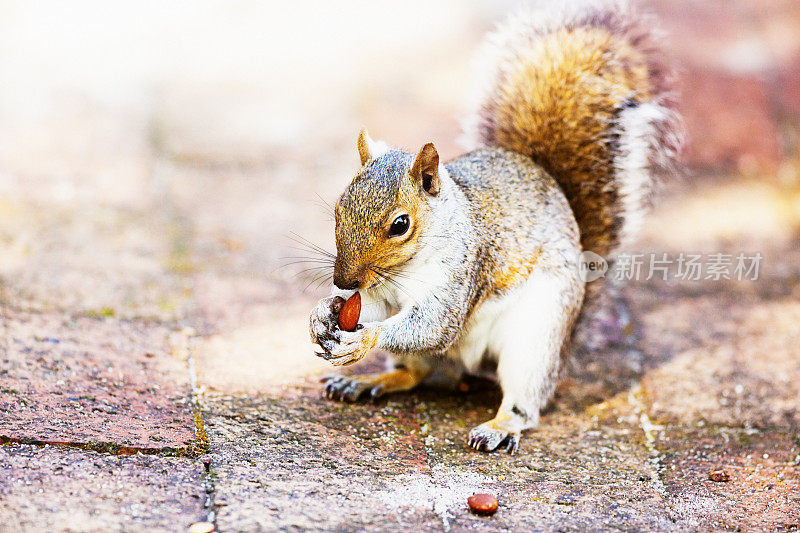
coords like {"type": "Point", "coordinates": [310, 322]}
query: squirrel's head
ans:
{"type": "Point", "coordinates": [381, 215]}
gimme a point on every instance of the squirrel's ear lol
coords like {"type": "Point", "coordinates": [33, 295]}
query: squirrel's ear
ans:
{"type": "Point", "coordinates": [363, 145]}
{"type": "Point", "coordinates": [369, 149]}
{"type": "Point", "coordinates": [425, 170]}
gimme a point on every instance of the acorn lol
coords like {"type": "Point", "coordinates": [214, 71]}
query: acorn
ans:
{"type": "Point", "coordinates": [349, 313]}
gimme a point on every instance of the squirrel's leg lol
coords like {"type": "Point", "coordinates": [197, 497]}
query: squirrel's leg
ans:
{"type": "Point", "coordinates": [406, 373]}
{"type": "Point", "coordinates": [527, 340]}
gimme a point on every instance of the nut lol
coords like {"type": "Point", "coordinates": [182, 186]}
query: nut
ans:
{"type": "Point", "coordinates": [351, 310]}
{"type": "Point", "coordinates": [483, 504]}
{"type": "Point", "coordinates": [719, 476]}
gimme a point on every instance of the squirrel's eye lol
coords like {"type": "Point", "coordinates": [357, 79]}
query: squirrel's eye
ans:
{"type": "Point", "coordinates": [399, 226]}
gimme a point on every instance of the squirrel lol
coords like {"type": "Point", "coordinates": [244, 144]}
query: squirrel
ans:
{"type": "Point", "coordinates": [477, 259]}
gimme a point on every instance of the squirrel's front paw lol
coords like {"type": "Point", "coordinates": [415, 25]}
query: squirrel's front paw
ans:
{"type": "Point", "coordinates": [351, 346]}
{"type": "Point", "coordinates": [323, 326]}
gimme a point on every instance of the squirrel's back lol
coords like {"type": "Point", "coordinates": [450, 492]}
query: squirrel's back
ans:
{"type": "Point", "coordinates": [579, 87]}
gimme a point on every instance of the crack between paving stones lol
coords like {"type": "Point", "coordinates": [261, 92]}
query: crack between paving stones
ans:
{"type": "Point", "coordinates": [201, 436]}
{"type": "Point", "coordinates": [103, 447]}
{"type": "Point", "coordinates": [182, 240]}
{"type": "Point", "coordinates": [209, 477]}
{"type": "Point", "coordinates": [654, 457]}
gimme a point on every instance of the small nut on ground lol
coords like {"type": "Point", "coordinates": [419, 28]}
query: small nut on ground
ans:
{"type": "Point", "coordinates": [482, 504]}
{"type": "Point", "coordinates": [719, 476]}
{"type": "Point", "coordinates": [201, 527]}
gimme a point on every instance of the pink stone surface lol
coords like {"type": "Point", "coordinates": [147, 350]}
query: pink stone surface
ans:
{"type": "Point", "coordinates": [729, 120]}
{"type": "Point", "coordinates": [180, 201]}
{"type": "Point", "coordinates": [89, 381]}
{"type": "Point", "coordinates": [763, 486]}
{"type": "Point", "coordinates": [736, 63]}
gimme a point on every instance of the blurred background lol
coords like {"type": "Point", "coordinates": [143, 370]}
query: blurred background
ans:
{"type": "Point", "coordinates": [157, 159]}
{"type": "Point", "coordinates": [161, 163]}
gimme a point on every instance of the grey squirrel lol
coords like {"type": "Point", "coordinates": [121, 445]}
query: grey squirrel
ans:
{"type": "Point", "coordinates": [478, 258]}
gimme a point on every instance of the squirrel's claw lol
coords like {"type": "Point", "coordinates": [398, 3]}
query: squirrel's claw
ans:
{"type": "Point", "coordinates": [476, 441]}
{"type": "Point", "coordinates": [488, 439]}
{"type": "Point", "coordinates": [323, 326]}
{"type": "Point", "coordinates": [335, 387]}
{"type": "Point", "coordinates": [350, 388]}
{"type": "Point", "coordinates": [512, 441]}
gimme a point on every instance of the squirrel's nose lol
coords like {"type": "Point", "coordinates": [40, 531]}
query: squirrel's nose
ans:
{"type": "Point", "coordinates": [347, 285]}
{"type": "Point", "coordinates": [344, 282]}
{"type": "Point", "coordinates": [345, 276]}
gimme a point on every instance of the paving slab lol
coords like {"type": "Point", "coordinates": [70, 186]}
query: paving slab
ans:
{"type": "Point", "coordinates": [745, 378]}
{"type": "Point", "coordinates": [103, 383]}
{"type": "Point", "coordinates": [248, 219]}
{"type": "Point", "coordinates": [730, 96]}
{"type": "Point", "coordinates": [68, 146]}
{"type": "Point", "coordinates": [404, 463]}
{"type": "Point", "coordinates": [255, 335]}
{"type": "Point", "coordinates": [50, 488]}
{"type": "Point", "coordinates": [762, 491]}
{"type": "Point", "coordinates": [305, 464]}
{"type": "Point", "coordinates": [580, 470]}
{"type": "Point", "coordinates": [91, 258]}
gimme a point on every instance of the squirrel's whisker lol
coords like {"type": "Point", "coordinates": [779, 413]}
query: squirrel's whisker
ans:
{"type": "Point", "coordinates": [320, 277]}
{"type": "Point", "coordinates": [307, 261]}
{"type": "Point", "coordinates": [315, 252]}
{"type": "Point", "coordinates": [395, 283]}
{"type": "Point", "coordinates": [318, 270]}
{"type": "Point", "coordinates": [400, 274]}
{"type": "Point", "coordinates": [305, 242]}
{"type": "Point", "coordinates": [324, 203]}
{"type": "Point", "coordinates": [321, 282]}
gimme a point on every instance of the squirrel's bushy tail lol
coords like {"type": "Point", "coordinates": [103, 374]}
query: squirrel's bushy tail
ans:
{"type": "Point", "coordinates": [579, 87]}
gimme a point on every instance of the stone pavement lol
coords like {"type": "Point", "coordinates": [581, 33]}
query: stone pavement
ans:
{"type": "Point", "coordinates": [155, 369]}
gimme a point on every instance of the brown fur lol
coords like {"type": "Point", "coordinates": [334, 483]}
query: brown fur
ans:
{"type": "Point", "coordinates": [397, 380]}
{"type": "Point", "coordinates": [516, 270]}
{"type": "Point", "coordinates": [557, 103]}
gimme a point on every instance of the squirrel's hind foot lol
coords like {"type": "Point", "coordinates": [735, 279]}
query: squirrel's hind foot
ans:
{"type": "Point", "coordinates": [350, 388]}
{"type": "Point", "coordinates": [501, 432]}
{"type": "Point", "coordinates": [353, 388]}
{"type": "Point", "coordinates": [487, 438]}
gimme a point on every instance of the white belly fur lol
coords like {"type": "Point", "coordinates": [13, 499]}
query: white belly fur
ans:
{"type": "Point", "coordinates": [480, 332]}
{"type": "Point", "coordinates": [508, 323]}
